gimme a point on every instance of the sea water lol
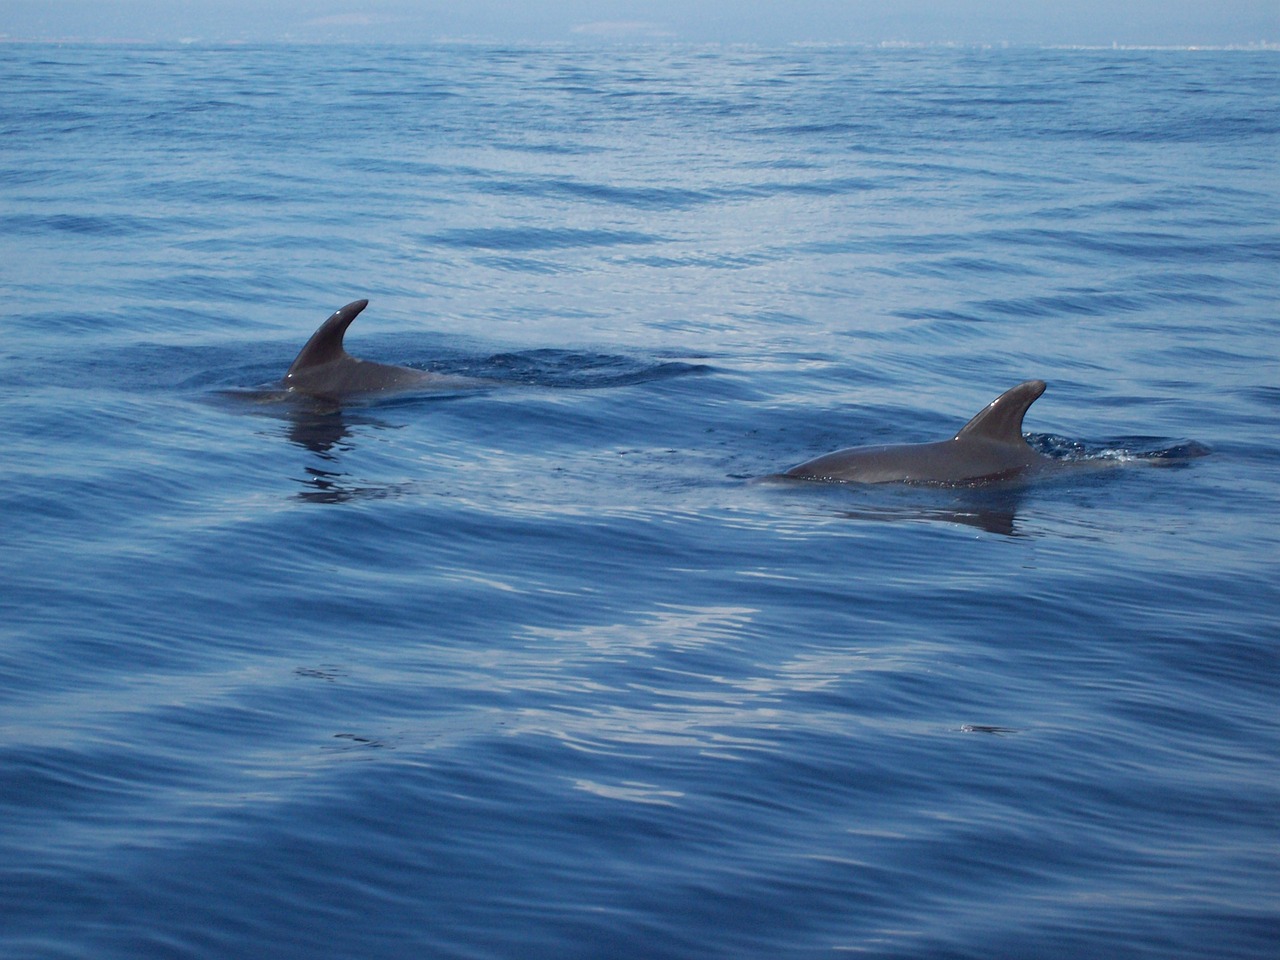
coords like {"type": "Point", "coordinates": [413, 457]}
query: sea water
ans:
{"type": "Point", "coordinates": [546, 669]}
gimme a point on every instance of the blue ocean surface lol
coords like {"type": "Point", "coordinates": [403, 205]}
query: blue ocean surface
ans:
{"type": "Point", "coordinates": [551, 668]}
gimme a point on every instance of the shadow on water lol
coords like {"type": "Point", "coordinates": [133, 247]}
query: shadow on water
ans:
{"type": "Point", "coordinates": [322, 426]}
{"type": "Point", "coordinates": [327, 430]}
{"type": "Point", "coordinates": [989, 514]}
{"type": "Point", "coordinates": [328, 433]}
{"type": "Point", "coordinates": [991, 508]}
{"type": "Point", "coordinates": [331, 486]}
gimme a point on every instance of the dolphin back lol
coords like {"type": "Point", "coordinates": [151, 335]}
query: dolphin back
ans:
{"type": "Point", "coordinates": [325, 345]}
{"type": "Point", "coordinates": [324, 369]}
{"type": "Point", "coordinates": [988, 447]}
{"type": "Point", "coordinates": [1001, 420]}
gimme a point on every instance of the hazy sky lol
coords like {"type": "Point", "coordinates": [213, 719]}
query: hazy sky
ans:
{"type": "Point", "coordinates": [1178, 22]}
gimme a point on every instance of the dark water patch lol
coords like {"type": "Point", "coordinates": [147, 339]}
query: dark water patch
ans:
{"type": "Point", "coordinates": [84, 225]}
{"type": "Point", "coordinates": [1265, 394]}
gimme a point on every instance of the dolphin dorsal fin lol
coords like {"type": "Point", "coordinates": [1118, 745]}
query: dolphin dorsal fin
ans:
{"type": "Point", "coordinates": [1001, 419]}
{"type": "Point", "coordinates": [325, 344]}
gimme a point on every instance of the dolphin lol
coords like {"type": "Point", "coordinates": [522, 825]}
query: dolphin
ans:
{"type": "Point", "coordinates": [324, 369]}
{"type": "Point", "coordinates": [988, 448]}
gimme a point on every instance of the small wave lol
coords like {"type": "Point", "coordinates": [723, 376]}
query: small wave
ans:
{"type": "Point", "coordinates": [1118, 449]}
{"type": "Point", "coordinates": [527, 265]}
{"type": "Point", "coordinates": [713, 261]}
{"type": "Point", "coordinates": [581, 371]}
{"type": "Point", "coordinates": [646, 197]}
{"type": "Point", "coordinates": [499, 238]}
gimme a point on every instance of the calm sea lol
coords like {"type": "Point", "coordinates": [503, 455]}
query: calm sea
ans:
{"type": "Point", "coordinates": [544, 670]}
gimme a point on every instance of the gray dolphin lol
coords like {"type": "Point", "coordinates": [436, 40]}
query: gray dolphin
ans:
{"type": "Point", "coordinates": [989, 447]}
{"type": "Point", "coordinates": [323, 368]}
